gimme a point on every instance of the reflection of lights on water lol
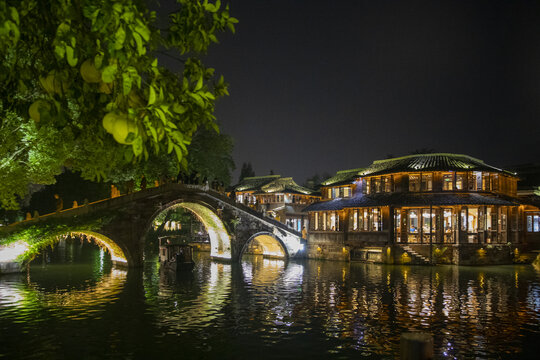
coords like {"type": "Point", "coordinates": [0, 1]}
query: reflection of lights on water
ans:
{"type": "Point", "coordinates": [9, 295]}
{"type": "Point", "coordinates": [12, 251]}
{"type": "Point", "coordinates": [101, 257]}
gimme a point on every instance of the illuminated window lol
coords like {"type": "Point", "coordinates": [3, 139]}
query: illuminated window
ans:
{"type": "Point", "coordinates": [495, 182]}
{"type": "Point", "coordinates": [346, 191]}
{"type": "Point", "coordinates": [316, 221]}
{"type": "Point", "coordinates": [472, 182]}
{"type": "Point", "coordinates": [478, 176]}
{"type": "Point", "coordinates": [447, 221]}
{"type": "Point", "coordinates": [387, 183]}
{"type": "Point", "coordinates": [464, 220]}
{"type": "Point", "coordinates": [460, 181]}
{"type": "Point", "coordinates": [427, 223]}
{"type": "Point", "coordinates": [329, 193]}
{"type": "Point", "coordinates": [533, 223]}
{"type": "Point", "coordinates": [377, 185]}
{"type": "Point", "coordinates": [485, 182]}
{"type": "Point", "coordinates": [376, 219]}
{"type": "Point", "coordinates": [448, 182]}
{"type": "Point", "coordinates": [365, 220]}
{"type": "Point", "coordinates": [427, 182]}
{"type": "Point", "coordinates": [355, 220]}
{"type": "Point", "coordinates": [368, 186]}
{"type": "Point", "coordinates": [413, 221]}
{"type": "Point", "coordinates": [324, 221]}
{"type": "Point", "coordinates": [414, 182]}
{"type": "Point", "coordinates": [472, 220]}
{"type": "Point", "coordinates": [397, 224]}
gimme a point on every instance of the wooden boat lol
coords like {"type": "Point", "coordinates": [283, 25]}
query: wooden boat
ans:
{"type": "Point", "coordinates": [175, 254]}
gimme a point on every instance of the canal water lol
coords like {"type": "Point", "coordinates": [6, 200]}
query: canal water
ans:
{"type": "Point", "coordinates": [72, 304]}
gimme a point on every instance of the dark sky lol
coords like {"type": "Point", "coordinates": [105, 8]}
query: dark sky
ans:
{"type": "Point", "coordinates": [319, 86]}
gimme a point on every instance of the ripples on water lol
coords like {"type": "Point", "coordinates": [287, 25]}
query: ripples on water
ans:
{"type": "Point", "coordinates": [73, 304]}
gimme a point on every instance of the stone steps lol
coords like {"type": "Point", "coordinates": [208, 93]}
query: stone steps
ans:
{"type": "Point", "coordinates": [410, 251]}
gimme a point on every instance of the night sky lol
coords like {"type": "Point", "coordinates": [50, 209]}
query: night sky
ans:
{"type": "Point", "coordinates": [319, 86]}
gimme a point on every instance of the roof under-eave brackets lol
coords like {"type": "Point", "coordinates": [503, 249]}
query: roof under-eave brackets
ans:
{"type": "Point", "coordinates": [429, 162]}
{"type": "Point", "coordinates": [409, 199]}
{"type": "Point", "coordinates": [342, 177]}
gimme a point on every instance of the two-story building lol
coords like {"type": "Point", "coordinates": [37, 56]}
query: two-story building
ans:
{"type": "Point", "coordinates": [276, 197]}
{"type": "Point", "coordinates": [428, 208]}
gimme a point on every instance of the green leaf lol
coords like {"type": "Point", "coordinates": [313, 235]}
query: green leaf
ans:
{"type": "Point", "coordinates": [198, 99]}
{"type": "Point", "coordinates": [154, 133]}
{"type": "Point", "coordinates": [119, 38]}
{"type": "Point", "coordinates": [70, 54]}
{"type": "Point", "coordinates": [170, 146]}
{"type": "Point", "coordinates": [151, 96]}
{"type": "Point", "coordinates": [14, 14]}
{"type": "Point", "coordinates": [199, 84]}
{"type": "Point", "coordinates": [126, 83]}
{"type": "Point", "coordinates": [60, 51]}
{"type": "Point", "coordinates": [141, 50]}
{"type": "Point", "coordinates": [108, 73]}
{"type": "Point", "coordinates": [137, 146]}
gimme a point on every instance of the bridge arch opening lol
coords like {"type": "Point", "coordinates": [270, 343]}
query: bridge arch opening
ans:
{"type": "Point", "coordinates": [118, 256]}
{"type": "Point", "coordinates": [220, 241]}
{"type": "Point", "coordinates": [266, 244]}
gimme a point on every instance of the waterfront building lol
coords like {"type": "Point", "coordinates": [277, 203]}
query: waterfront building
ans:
{"type": "Point", "coordinates": [276, 197]}
{"type": "Point", "coordinates": [427, 208]}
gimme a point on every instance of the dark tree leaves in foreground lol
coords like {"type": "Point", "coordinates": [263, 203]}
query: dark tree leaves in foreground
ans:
{"type": "Point", "coordinates": [81, 87]}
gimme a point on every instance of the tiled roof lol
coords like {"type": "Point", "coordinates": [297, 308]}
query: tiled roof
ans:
{"type": "Point", "coordinates": [343, 177]}
{"type": "Point", "coordinates": [272, 184]}
{"type": "Point", "coordinates": [411, 199]}
{"type": "Point", "coordinates": [429, 162]}
{"type": "Point", "coordinates": [254, 182]}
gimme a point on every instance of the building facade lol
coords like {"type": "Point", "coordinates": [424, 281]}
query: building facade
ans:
{"type": "Point", "coordinates": [428, 208]}
{"type": "Point", "coordinates": [276, 197]}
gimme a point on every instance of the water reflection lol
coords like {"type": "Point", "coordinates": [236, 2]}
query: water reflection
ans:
{"type": "Point", "coordinates": [270, 309]}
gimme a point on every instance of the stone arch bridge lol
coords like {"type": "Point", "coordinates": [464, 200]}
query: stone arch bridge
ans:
{"type": "Point", "coordinates": [231, 226]}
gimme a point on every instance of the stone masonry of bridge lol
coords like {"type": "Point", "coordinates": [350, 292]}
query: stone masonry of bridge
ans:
{"type": "Point", "coordinates": [231, 226]}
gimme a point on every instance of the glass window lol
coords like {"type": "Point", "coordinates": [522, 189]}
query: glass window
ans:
{"type": "Point", "coordinates": [503, 219]}
{"type": "Point", "coordinates": [472, 182]}
{"type": "Point", "coordinates": [472, 220]}
{"type": "Point", "coordinates": [460, 180]}
{"type": "Point", "coordinates": [478, 176]}
{"type": "Point", "coordinates": [495, 182]}
{"type": "Point", "coordinates": [368, 186]}
{"type": "Point", "coordinates": [489, 219]}
{"type": "Point", "coordinates": [414, 182]}
{"type": "Point", "coordinates": [376, 223]}
{"type": "Point", "coordinates": [333, 221]}
{"type": "Point", "coordinates": [316, 221]}
{"type": "Point", "coordinates": [427, 182]}
{"type": "Point", "coordinates": [355, 220]}
{"type": "Point", "coordinates": [448, 182]}
{"type": "Point", "coordinates": [485, 182]}
{"type": "Point", "coordinates": [426, 221]}
{"type": "Point", "coordinates": [529, 223]}
{"type": "Point", "coordinates": [377, 185]}
{"type": "Point", "coordinates": [387, 183]}
{"type": "Point", "coordinates": [365, 219]}
{"type": "Point", "coordinates": [346, 191]}
{"type": "Point", "coordinates": [536, 223]}
{"type": "Point", "coordinates": [324, 221]}
{"type": "Point", "coordinates": [397, 224]}
{"type": "Point", "coordinates": [413, 221]}
{"type": "Point", "coordinates": [463, 219]}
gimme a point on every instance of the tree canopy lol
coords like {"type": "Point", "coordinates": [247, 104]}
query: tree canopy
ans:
{"type": "Point", "coordinates": [82, 87]}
